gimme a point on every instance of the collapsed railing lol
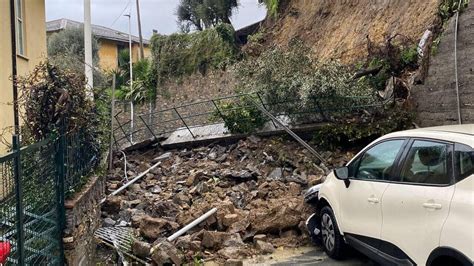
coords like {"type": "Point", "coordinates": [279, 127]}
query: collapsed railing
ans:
{"type": "Point", "coordinates": [156, 123]}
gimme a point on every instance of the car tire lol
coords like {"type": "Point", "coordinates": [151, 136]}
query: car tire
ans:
{"type": "Point", "coordinates": [332, 240]}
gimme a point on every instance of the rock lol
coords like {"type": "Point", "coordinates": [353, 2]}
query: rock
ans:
{"type": "Point", "coordinates": [294, 189]}
{"type": "Point", "coordinates": [188, 244]}
{"type": "Point", "coordinates": [112, 204]}
{"type": "Point", "coordinates": [212, 156]}
{"type": "Point", "coordinates": [109, 222]}
{"type": "Point", "coordinates": [234, 262]}
{"type": "Point", "coordinates": [135, 188]}
{"type": "Point", "coordinates": [259, 237]}
{"type": "Point", "coordinates": [190, 180]}
{"type": "Point", "coordinates": [276, 174]}
{"type": "Point", "coordinates": [141, 249]}
{"type": "Point", "coordinates": [233, 252]}
{"type": "Point", "coordinates": [314, 180]}
{"type": "Point", "coordinates": [122, 224]}
{"type": "Point", "coordinates": [230, 219]}
{"type": "Point", "coordinates": [181, 198]}
{"type": "Point", "coordinates": [221, 158]}
{"type": "Point", "coordinates": [202, 188]}
{"type": "Point", "coordinates": [214, 239]}
{"type": "Point", "coordinates": [152, 228]}
{"type": "Point", "coordinates": [297, 179]}
{"type": "Point", "coordinates": [166, 253]}
{"type": "Point", "coordinates": [264, 247]}
{"type": "Point", "coordinates": [278, 216]}
{"type": "Point", "coordinates": [162, 157]}
{"type": "Point", "coordinates": [156, 190]}
{"type": "Point", "coordinates": [289, 234]}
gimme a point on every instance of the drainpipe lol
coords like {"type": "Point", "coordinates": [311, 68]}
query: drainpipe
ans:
{"type": "Point", "coordinates": [16, 119]}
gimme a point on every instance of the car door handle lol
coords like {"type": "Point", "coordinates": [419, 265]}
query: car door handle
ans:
{"type": "Point", "coordinates": [432, 206]}
{"type": "Point", "coordinates": [373, 200]}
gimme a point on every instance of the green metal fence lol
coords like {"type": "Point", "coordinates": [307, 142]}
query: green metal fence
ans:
{"type": "Point", "coordinates": [34, 182]}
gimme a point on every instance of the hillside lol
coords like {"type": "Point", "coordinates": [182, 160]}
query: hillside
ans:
{"type": "Point", "coordinates": [339, 29]}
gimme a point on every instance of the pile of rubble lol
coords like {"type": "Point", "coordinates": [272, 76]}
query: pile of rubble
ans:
{"type": "Point", "coordinates": [255, 184]}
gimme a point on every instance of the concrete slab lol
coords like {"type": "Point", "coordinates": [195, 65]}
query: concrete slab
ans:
{"type": "Point", "coordinates": [218, 132]}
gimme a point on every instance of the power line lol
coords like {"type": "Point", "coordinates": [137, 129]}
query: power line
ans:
{"type": "Point", "coordinates": [121, 13]}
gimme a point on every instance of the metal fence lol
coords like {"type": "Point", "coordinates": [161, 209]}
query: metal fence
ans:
{"type": "Point", "coordinates": [34, 182]}
{"type": "Point", "coordinates": [155, 123]}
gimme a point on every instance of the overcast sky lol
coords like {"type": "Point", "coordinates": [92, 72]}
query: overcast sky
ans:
{"type": "Point", "coordinates": [155, 14]}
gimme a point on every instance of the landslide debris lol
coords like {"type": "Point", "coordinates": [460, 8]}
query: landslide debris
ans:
{"type": "Point", "coordinates": [256, 185]}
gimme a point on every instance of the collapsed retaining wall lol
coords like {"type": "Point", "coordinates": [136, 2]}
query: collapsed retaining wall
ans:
{"type": "Point", "coordinates": [436, 100]}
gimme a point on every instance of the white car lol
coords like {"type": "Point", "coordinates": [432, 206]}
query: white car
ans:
{"type": "Point", "coordinates": [406, 199]}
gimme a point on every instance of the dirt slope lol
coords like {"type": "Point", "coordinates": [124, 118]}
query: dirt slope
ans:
{"type": "Point", "coordinates": [339, 28]}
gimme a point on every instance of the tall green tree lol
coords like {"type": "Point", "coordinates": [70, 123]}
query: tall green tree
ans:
{"type": "Point", "coordinates": [66, 51]}
{"type": "Point", "coordinates": [202, 14]}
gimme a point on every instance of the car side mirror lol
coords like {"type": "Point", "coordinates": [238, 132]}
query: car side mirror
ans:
{"type": "Point", "coordinates": [342, 173]}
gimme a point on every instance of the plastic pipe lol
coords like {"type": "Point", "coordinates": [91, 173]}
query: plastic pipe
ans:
{"type": "Point", "coordinates": [191, 225]}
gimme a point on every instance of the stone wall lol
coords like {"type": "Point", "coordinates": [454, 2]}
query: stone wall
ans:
{"type": "Point", "coordinates": [82, 219]}
{"type": "Point", "coordinates": [436, 100]}
{"type": "Point", "coordinates": [197, 88]}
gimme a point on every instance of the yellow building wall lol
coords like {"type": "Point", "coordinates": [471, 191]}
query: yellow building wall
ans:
{"type": "Point", "coordinates": [35, 51]}
{"type": "Point", "coordinates": [108, 55]}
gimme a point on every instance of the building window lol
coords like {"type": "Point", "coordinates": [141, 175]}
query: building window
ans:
{"type": "Point", "coordinates": [20, 27]}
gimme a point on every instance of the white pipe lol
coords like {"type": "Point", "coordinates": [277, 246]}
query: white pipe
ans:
{"type": "Point", "coordinates": [130, 182]}
{"type": "Point", "coordinates": [88, 48]}
{"type": "Point", "coordinates": [131, 72]}
{"type": "Point", "coordinates": [456, 63]}
{"type": "Point", "coordinates": [191, 225]}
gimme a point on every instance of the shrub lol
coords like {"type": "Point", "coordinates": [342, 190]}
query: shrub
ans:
{"type": "Point", "coordinates": [447, 8]}
{"type": "Point", "coordinates": [240, 116]}
{"type": "Point", "coordinates": [272, 6]}
{"type": "Point", "coordinates": [181, 54]}
{"type": "Point", "coordinates": [50, 96]}
{"type": "Point", "coordinates": [291, 82]}
{"type": "Point", "coordinates": [350, 132]}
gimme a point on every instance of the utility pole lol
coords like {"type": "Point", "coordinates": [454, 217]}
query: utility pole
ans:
{"type": "Point", "coordinates": [131, 72]}
{"type": "Point", "coordinates": [16, 116]}
{"type": "Point", "coordinates": [88, 48]}
{"type": "Point", "coordinates": [142, 53]}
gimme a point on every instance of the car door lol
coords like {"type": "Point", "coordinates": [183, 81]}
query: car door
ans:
{"type": "Point", "coordinates": [360, 202]}
{"type": "Point", "coordinates": [416, 205]}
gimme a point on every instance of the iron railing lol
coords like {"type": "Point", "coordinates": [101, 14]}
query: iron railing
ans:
{"type": "Point", "coordinates": [155, 123]}
{"type": "Point", "coordinates": [34, 182]}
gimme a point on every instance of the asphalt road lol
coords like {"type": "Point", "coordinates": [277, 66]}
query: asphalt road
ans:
{"type": "Point", "coordinates": [308, 256]}
{"type": "Point", "coordinates": [318, 257]}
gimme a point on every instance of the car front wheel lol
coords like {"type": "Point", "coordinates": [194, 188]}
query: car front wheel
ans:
{"type": "Point", "coordinates": [332, 240]}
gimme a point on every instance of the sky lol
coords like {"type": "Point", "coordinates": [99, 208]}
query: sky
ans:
{"type": "Point", "coordinates": [155, 14]}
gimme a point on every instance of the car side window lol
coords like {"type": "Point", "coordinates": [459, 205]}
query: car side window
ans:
{"type": "Point", "coordinates": [378, 161]}
{"type": "Point", "coordinates": [427, 162]}
{"type": "Point", "coordinates": [464, 161]}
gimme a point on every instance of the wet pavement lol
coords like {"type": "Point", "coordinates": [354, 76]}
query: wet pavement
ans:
{"type": "Point", "coordinates": [308, 256]}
